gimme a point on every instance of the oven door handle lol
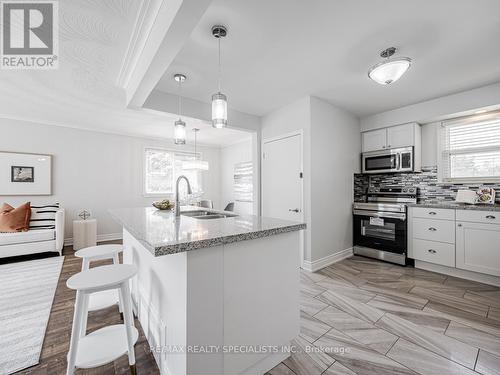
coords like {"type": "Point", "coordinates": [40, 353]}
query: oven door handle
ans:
{"type": "Point", "coordinates": [389, 215]}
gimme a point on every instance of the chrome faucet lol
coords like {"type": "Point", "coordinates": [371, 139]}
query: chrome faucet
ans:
{"type": "Point", "coordinates": [177, 207]}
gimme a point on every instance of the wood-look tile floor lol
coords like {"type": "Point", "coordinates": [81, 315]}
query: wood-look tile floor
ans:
{"type": "Point", "coordinates": [361, 316]}
{"type": "Point", "coordinates": [358, 316]}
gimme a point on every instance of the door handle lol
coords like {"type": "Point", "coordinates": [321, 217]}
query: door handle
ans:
{"type": "Point", "coordinates": [293, 210]}
{"type": "Point", "coordinates": [432, 229]}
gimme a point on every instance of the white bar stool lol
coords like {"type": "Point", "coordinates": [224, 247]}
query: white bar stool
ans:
{"type": "Point", "coordinates": [108, 343]}
{"type": "Point", "coordinates": [106, 298]}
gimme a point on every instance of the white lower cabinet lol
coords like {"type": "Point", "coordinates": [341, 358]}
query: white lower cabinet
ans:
{"type": "Point", "coordinates": [434, 252]}
{"type": "Point", "coordinates": [462, 239]}
{"type": "Point", "coordinates": [478, 247]}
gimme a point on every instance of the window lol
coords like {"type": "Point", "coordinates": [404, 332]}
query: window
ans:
{"type": "Point", "coordinates": [161, 169]}
{"type": "Point", "coordinates": [470, 149]}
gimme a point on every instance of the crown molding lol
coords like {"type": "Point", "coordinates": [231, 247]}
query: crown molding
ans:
{"type": "Point", "coordinates": [144, 22]}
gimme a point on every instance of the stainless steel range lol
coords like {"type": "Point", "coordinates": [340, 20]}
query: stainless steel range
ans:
{"type": "Point", "coordinates": [380, 224]}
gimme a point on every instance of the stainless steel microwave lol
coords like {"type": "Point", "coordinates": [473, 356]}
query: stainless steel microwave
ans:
{"type": "Point", "coordinates": [388, 161]}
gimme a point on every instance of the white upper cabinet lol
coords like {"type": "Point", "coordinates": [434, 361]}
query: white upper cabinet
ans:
{"type": "Point", "coordinates": [393, 137]}
{"type": "Point", "coordinates": [401, 136]}
{"type": "Point", "coordinates": [374, 140]}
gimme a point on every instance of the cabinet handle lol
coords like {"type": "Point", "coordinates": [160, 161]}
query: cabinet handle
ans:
{"type": "Point", "coordinates": [432, 251]}
{"type": "Point", "coordinates": [490, 217]}
{"type": "Point", "coordinates": [389, 146]}
{"type": "Point", "coordinates": [459, 225]}
{"type": "Point", "coordinates": [432, 229]}
{"type": "Point", "coordinates": [432, 213]}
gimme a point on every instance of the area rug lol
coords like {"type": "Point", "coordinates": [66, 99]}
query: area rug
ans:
{"type": "Point", "coordinates": [26, 293]}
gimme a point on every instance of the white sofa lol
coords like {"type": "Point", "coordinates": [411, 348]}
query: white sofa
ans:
{"type": "Point", "coordinates": [34, 241]}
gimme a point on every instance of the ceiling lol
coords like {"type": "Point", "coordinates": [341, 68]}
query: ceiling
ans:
{"type": "Point", "coordinates": [83, 93]}
{"type": "Point", "coordinates": [281, 50]}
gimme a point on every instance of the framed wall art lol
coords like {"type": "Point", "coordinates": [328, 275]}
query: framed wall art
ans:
{"type": "Point", "coordinates": [25, 174]}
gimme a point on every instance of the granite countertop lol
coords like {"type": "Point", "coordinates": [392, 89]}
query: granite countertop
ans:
{"type": "Point", "coordinates": [162, 234]}
{"type": "Point", "coordinates": [458, 206]}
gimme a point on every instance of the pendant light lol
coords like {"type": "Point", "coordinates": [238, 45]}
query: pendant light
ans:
{"type": "Point", "coordinates": [391, 69]}
{"type": "Point", "coordinates": [179, 125]}
{"type": "Point", "coordinates": [196, 164]}
{"type": "Point", "coordinates": [219, 100]}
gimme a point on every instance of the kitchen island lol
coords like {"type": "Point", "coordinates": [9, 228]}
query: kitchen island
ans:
{"type": "Point", "coordinates": [215, 295]}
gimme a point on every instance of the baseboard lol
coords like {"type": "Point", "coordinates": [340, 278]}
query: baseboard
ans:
{"type": "Point", "coordinates": [326, 261]}
{"type": "Point", "coordinates": [100, 238]}
{"type": "Point", "coordinates": [456, 272]}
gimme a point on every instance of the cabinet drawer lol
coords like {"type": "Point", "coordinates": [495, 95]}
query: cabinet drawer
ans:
{"type": "Point", "coordinates": [434, 252]}
{"type": "Point", "coordinates": [434, 230]}
{"type": "Point", "coordinates": [434, 213]}
{"type": "Point", "coordinates": [486, 217]}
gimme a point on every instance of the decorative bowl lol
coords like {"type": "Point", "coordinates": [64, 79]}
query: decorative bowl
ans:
{"type": "Point", "coordinates": [163, 205]}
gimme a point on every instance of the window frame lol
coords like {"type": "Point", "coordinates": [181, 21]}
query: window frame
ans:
{"type": "Point", "coordinates": [441, 149]}
{"type": "Point", "coordinates": [174, 152]}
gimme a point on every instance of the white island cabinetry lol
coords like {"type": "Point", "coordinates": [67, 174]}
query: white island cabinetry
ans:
{"type": "Point", "coordinates": [218, 296]}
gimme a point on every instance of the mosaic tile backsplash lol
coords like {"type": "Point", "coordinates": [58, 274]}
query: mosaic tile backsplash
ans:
{"type": "Point", "coordinates": [430, 190]}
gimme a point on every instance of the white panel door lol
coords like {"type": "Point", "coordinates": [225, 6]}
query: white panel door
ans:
{"type": "Point", "coordinates": [374, 140]}
{"type": "Point", "coordinates": [281, 178]}
{"type": "Point", "coordinates": [401, 136]}
{"type": "Point", "coordinates": [478, 247]}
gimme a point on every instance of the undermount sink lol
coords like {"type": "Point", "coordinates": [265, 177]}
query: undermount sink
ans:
{"type": "Point", "coordinates": [206, 215]}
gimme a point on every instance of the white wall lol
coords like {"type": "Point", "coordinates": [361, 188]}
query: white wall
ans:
{"type": "Point", "coordinates": [93, 170]}
{"type": "Point", "coordinates": [162, 101]}
{"type": "Point", "coordinates": [292, 117]}
{"type": "Point", "coordinates": [335, 150]}
{"type": "Point", "coordinates": [332, 145]}
{"type": "Point", "coordinates": [229, 156]}
{"type": "Point", "coordinates": [460, 104]}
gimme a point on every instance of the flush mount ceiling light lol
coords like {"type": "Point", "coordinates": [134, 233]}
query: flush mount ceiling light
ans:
{"type": "Point", "coordinates": [391, 69]}
{"type": "Point", "coordinates": [219, 100]}
{"type": "Point", "coordinates": [196, 164]}
{"type": "Point", "coordinates": [179, 125]}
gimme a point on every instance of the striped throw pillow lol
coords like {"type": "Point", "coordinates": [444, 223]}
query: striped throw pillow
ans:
{"type": "Point", "coordinates": [43, 217]}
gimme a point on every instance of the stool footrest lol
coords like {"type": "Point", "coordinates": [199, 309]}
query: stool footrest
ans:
{"type": "Point", "coordinates": [103, 299]}
{"type": "Point", "coordinates": [103, 346]}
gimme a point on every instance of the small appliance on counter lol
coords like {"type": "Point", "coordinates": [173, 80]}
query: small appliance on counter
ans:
{"type": "Point", "coordinates": [380, 224]}
{"type": "Point", "coordinates": [483, 195]}
{"type": "Point", "coordinates": [466, 196]}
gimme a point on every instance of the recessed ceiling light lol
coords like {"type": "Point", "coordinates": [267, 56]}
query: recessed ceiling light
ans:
{"type": "Point", "coordinates": [390, 70]}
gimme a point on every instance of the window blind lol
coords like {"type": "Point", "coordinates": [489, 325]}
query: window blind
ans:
{"type": "Point", "coordinates": [470, 149]}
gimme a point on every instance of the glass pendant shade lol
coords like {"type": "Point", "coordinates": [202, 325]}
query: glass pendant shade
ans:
{"type": "Point", "coordinates": [180, 132]}
{"type": "Point", "coordinates": [198, 165]}
{"type": "Point", "coordinates": [219, 110]}
{"type": "Point", "coordinates": [389, 71]}
{"type": "Point", "coordinates": [195, 164]}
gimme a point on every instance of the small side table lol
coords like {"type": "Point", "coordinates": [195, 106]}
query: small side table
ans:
{"type": "Point", "coordinates": [84, 233]}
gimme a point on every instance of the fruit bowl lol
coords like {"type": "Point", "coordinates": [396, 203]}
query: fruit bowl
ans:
{"type": "Point", "coordinates": [163, 205]}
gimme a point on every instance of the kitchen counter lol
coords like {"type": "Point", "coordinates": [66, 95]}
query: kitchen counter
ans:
{"type": "Point", "coordinates": [160, 232]}
{"type": "Point", "coordinates": [213, 298]}
{"type": "Point", "coordinates": [457, 206]}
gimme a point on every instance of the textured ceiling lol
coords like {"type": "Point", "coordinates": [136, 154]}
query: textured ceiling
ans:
{"type": "Point", "coordinates": [93, 41]}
